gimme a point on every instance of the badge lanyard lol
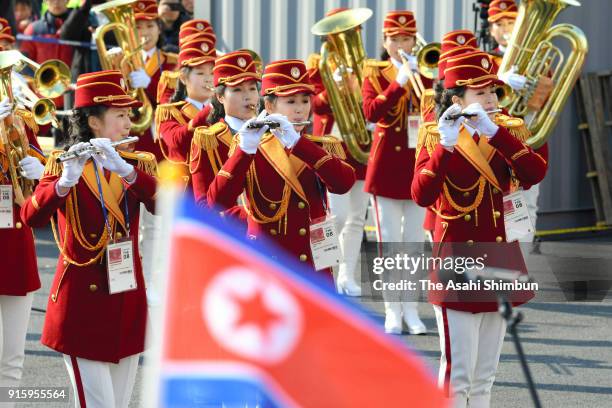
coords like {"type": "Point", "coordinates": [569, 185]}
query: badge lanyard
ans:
{"type": "Point", "coordinates": [105, 211]}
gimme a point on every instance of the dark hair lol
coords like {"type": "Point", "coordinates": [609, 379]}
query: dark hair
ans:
{"type": "Point", "coordinates": [271, 99]}
{"type": "Point", "coordinates": [218, 111]}
{"type": "Point", "coordinates": [444, 97]}
{"type": "Point", "coordinates": [180, 93]}
{"type": "Point", "coordinates": [24, 2]}
{"type": "Point", "coordinates": [78, 129]}
{"type": "Point", "coordinates": [384, 55]}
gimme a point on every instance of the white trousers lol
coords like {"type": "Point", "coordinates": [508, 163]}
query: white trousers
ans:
{"type": "Point", "coordinates": [397, 221]}
{"type": "Point", "coordinates": [350, 210]}
{"type": "Point", "coordinates": [531, 196]}
{"type": "Point", "coordinates": [98, 384]}
{"type": "Point", "coordinates": [470, 345]}
{"type": "Point", "coordinates": [150, 232]}
{"type": "Point", "coordinates": [14, 319]}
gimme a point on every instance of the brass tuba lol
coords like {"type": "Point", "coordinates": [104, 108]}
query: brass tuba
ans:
{"type": "Point", "coordinates": [123, 25]}
{"type": "Point", "coordinates": [531, 50]}
{"type": "Point", "coordinates": [343, 50]}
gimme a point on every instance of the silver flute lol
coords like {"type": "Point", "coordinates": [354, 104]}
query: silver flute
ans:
{"type": "Point", "coordinates": [469, 115]}
{"type": "Point", "coordinates": [272, 124]}
{"type": "Point", "coordinates": [91, 149]}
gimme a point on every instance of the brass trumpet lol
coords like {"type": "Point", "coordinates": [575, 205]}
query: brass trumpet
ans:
{"type": "Point", "coordinates": [428, 55]}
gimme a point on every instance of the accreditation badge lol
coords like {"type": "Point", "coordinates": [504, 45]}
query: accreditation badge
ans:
{"type": "Point", "coordinates": [120, 266]}
{"type": "Point", "coordinates": [324, 243]}
{"type": "Point", "coordinates": [414, 122]}
{"type": "Point", "coordinates": [516, 216]}
{"type": "Point", "coordinates": [6, 207]}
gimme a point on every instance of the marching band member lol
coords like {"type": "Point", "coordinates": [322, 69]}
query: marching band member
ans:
{"type": "Point", "coordinates": [283, 172]}
{"type": "Point", "coordinates": [502, 15]}
{"type": "Point", "coordinates": [19, 273]}
{"type": "Point", "coordinates": [236, 82]}
{"type": "Point", "coordinates": [190, 30]}
{"type": "Point", "coordinates": [463, 170]}
{"type": "Point", "coordinates": [349, 209]}
{"type": "Point", "coordinates": [156, 61]}
{"type": "Point", "coordinates": [391, 103]}
{"type": "Point", "coordinates": [189, 107]}
{"type": "Point", "coordinates": [97, 309]}
{"type": "Point", "coordinates": [453, 43]}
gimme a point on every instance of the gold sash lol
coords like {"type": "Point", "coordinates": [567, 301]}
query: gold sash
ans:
{"type": "Point", "coordinates": [112, 190]}
{"type": "Point", "coordinates": [287, 166]}
{"type": "Point", "coordinates": [478, 155]}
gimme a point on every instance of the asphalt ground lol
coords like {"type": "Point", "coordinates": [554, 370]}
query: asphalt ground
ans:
{"type": "Point", "coordinates": [568, 345]}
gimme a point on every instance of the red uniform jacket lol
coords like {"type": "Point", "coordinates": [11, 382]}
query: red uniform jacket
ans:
{"type": "Point", "coordinates": [284, 191]}
{"type": "Point", "coordinates": [176, 124]}
{"type": "Point", "coordinates": [83, 319]}
{"type": "Point", "coordinates": [465, 188]}
{"type": "Point", "coordinates": [323, 119]}
{"type": "Point", "coordinates": [19, 271]}
{"type": "Point", "coordinates": [386, 103]}
{"type": "Point", "coordinates": [160, 61]}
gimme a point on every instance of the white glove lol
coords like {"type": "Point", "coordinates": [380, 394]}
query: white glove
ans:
{"type": "Point", "coordinates": [139, 79]}
{"type": "Point", "coordinates": [481, 120]}
{"type": "Point", "coordinates": [285, 132]}
{"type": "Point", "coordinates": [412, 62]}
{"type": "Point", "coordinates": [31, 168]}
{"type": "Point", "coordinates": [250, 138]}
{"type": "Point", "coordinates": [5, 108]}
{"type": "Point", "coordinates": [516, 81]}
{"type": "Point", "coordinates": [72, 169]}
{"type": "Point", "coordinates": [110, 159]}
{"type": "Point", "coordinates": [403, 74]}
{"type": "Point", "coordinates": [338, 77]}
{"type": "Point", "coordinates": [448, 128]}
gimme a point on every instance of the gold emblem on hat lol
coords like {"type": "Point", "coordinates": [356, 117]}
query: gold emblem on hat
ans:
{"type": "Point", "coordinates": [295, 72]}
{"type": "Point", "coordinates": [200, 26]}
{"type": "Point", "coordinates": [461, 39]}
{"type": "Point", "coordinates": [241, 62]}
{"type": "Point", "coordinates": [485, 63]}
{"type": "Point", "coordinates": [204, 47]}
{"type": "Point", "coordinates": [402, 19]}
{"type": "Point", "coordinates": [141, 6]}
{"type": "Point", "coordinates": [1, 25]}
{"type": "Point", "coordinates": [503, 6]}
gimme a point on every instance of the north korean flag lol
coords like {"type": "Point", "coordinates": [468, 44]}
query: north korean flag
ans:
{"type": "Point", "coordinates": [244, 325]}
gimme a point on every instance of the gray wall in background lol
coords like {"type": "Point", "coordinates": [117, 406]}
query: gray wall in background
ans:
{"type": "Point", "coordinates": [281, 29]}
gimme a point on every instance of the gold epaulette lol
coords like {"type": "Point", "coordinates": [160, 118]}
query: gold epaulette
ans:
{"type": "Point", "coordinates": [171, 57]}
{"type": "Point", "coordinates": [167, 80]}
{"type": "Point", "coordinates": [28, 118]}
{"type": "Point", "coordinates": [516, 126]}
{"type": "Point", "coordinates": [428, 103]}
{"type": "Point", "coordinates": [313, 61]}
{"type": "Point", "coordinates": [205, 137]}
{"type": "Point", "coordinates": [146, 161]}
{"type": "Point", "coordinates": [167, 111]}
{"type": "Point", "coordinates": [372, 67]}
{"type": "Point", "coordinates": [428, 136]}
{"type": "Point", "coordinates": [53, 168]}
{"type": "Point", "coordinates": [235, 143]}
{"type": "Point", "coordinates": [330, 144]}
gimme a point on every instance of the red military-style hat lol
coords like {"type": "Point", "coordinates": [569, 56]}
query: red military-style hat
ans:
{"type": "Point", "coordinates": [195, 28]}
{"type": "Point", "coordinates": [473, 69]}
{"type": "Point", "coordinates": [5, 31]}
{"type": "Point", "coordinates": [399, 23]}
{"type": "Point", "coordinates": [106, 88]}
{"type": "Point", "coordinates": [502, 8]}
{"type": "Point", "coordinates": [454, 43]}
{"type": "Point", "coordinates": [145, 10]}
{"type": "Point", "coordinates": [197, 51]}
{"type": "Point", "coordinates": [235, 68]}
{"type": "Point", "coordinates": [286, 77]}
